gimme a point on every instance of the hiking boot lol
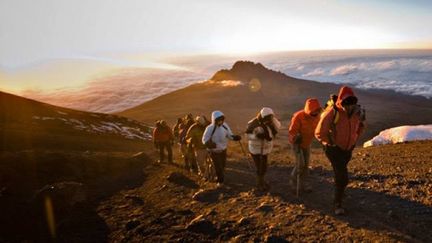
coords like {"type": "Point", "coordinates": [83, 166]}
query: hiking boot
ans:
{"type": "Point", "coordinates": [339, 211]}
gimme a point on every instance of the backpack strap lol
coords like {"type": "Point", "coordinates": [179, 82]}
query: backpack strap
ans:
{"type": "Point", "coordinates": [214, 129]}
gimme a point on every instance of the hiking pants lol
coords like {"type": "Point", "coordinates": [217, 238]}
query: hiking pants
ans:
{"type": "Point", "coordinates": [201, 156]}
{"type": "Point", "coordinates": [339, 159]}
{"type": "Point", "coordinates": [187, 155]}
{"type": "Point", "coordinates": [303, 162]}
{"type": "Point", "coordinates": [219, 161]}
{"type": "Point", "coordinates": [260, 163]}
{"type": "Point", "coordinates": [162, 146]}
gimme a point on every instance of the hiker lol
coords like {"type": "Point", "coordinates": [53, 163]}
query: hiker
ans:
{"type": "Point", "coordinates": [300, 135]}
{"type": "Point", "coordinates": [215, 138]}
{"type": "Point", "coordinates": [184, 149]}
{"type": "Point", "coordinates": [163, 140]}
{"type": "Point", "coordinates": [194, 140]}
{"type": "Point", "coordinates": [261, 131]}
{"type": "Point", "coordinates": [176, 128]}
{"type": "Point", "coordinates": [338, 130]}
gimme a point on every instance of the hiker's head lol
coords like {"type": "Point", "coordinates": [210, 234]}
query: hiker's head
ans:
{"type": "Point", "coordinates": [162, 123]}
{"type": "Point", "coordinates": [218, 118]}
{"type": "Point", "coordinates": [316, 112]}
{"type": "Point", "coordinates": [266, 114]}
{"type": "Point", "coordinates": [157, 123]}
{"type": "Point", "coordinates": [346, 98]}
{"type": "Point", "coordinates": [200, 120]}
{"type": "Point", "coordinates": [312, 107]}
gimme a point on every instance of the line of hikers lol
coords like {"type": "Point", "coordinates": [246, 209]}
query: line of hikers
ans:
{"type": "Point", "coordinates": [337, 126]}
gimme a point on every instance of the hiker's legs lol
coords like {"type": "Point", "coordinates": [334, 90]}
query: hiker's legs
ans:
{"type": "Point", "coordinates": [299, 162]}
{"type": "Point", "coordinates": [219, 160]}
{"type": "Point", "coordinates": [192, 159]}
{"type": "Point", "coordinates": [201, 155]}
{"type": "Point", "coordinates": [161, 152]}
{"type": "Point", "coordinates": [183, 150]}
{"type": "Point", "coordinates": [306, 159]}
{"type": "Point", "coordinates": [261, 165]}
{"type": "Point", "coordinates": [339, 160]}
{"type": "Point", "coordinates": [257, 160]}
{"type": "Point", "coordinates": [169, 150]}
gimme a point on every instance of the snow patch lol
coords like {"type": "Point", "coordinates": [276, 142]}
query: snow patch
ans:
{"type": "Point", "coordinates": [61, 113]}
{"type": "Point", "coordinates": [401, 134]}
{"type": "Point", "coordinates": [104, 127]}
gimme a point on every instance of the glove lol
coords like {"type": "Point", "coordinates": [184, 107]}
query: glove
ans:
{"type": "Point", "coordinates": [260, 135]}
{"type": "Point", "coordinates": [210, 144]}
{"type": "Point", "coordinates": [236, 137]}
{"type": "Point", "coordinates": [268, 138]}
{"type": "Point", "coordinates": [328, 146]}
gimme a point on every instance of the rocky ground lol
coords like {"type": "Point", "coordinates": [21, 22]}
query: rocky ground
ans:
{"type": "Point", "coordinates": [127, 197]}
{"type": "Point", "coordinates": [388, 200]}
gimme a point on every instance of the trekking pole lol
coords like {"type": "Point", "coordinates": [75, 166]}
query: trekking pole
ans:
{"type": "Point", "coordinates": [247, 157]}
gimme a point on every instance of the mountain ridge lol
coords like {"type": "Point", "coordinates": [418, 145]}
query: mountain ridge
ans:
{"type": "Point", "coordinates": [285, 94]}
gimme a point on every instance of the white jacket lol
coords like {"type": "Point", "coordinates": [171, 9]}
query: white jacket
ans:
{"type": "Point", "coordinates": [262, 146]}
{"type": "Point", "coordinates": [221, 133]}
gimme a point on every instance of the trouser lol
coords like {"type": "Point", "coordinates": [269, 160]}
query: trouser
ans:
{"type": "Point", "coordinates": [260, 163]}
{"type": "Point", "coordinates": [165, 146]}
{"type": "Point", "coordinates": [219, 161]}
{"type": "Point", "coordinates": [302, 161]}
{"type": "Point", "coordinates": [201, 156]}
{"type": "Point", "coordinates": [339, 159]}
{"type": "Point", "coordinates": [188, 156]}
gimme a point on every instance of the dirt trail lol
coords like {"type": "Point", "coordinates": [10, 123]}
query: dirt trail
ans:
{"type": "Point", "coordinates": [388, 200]}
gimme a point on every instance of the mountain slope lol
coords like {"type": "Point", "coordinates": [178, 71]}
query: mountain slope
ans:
{"type": "Point", "coordinates": [263, 87]}
{"type": "Point", "coordinates": [28, 124]}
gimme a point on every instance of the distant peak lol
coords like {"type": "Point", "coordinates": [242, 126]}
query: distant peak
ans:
{"type": "Point", "coordinates": [246, 70]}
{"type": "Point", "coordinates": [247, 65]}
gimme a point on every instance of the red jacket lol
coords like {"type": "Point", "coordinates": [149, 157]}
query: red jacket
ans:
{"type": "Point", "coordinates": [304, 124]}
{"type": "Point", "coordinates": [162, 134]}
{"type": "Point", "coordinates": [347, 129]}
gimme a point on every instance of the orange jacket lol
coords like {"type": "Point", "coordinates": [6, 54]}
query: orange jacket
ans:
{"type": "Point", "coordinates": [304, 124]}
{"type": "Point", "coordinates": [162, 134]}
{"type": "Point", "coordinates": [347, 129]}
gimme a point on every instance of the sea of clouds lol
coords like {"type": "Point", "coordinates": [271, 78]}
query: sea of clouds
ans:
{"type": "Point", "coordinates": [123, 90]}
{"type": "Point", "coordinates": [405, 72]}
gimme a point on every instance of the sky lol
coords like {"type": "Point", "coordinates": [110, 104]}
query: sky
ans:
{"type": "Point", "coordinates": [104, 34]}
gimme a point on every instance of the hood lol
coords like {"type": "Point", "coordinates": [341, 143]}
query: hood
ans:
{"type": "Point", "coordinates": [311, 105]}
{"type": "Point", "coordinates": [215, 115]}
{"type": "Point", "coordinates": [344, 93]}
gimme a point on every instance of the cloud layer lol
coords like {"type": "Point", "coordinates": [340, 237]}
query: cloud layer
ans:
{"type": "Point", "coordinates": [409, 73]}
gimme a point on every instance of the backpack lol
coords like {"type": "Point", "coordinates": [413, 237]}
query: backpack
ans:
{"type": "Point", "coordinates": [331, 104]}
